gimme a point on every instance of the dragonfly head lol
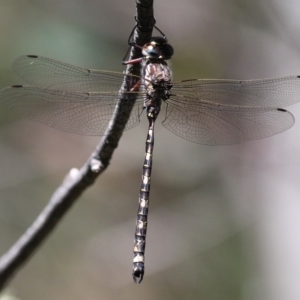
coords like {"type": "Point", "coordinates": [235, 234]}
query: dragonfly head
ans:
{"type": "Point", "coordinates": [158, 48]}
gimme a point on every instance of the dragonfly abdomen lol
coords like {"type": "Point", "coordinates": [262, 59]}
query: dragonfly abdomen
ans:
{"type": "Point", "coordinates": [142, 215]}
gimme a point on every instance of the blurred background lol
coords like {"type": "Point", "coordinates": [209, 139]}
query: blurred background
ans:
{"type": "Point", "coordinates": [224, 221]}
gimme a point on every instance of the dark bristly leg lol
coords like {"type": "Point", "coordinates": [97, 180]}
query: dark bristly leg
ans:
{"type": "Point", "coordinates": [142, 215]}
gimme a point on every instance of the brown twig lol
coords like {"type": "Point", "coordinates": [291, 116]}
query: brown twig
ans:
{"type": "Point", "coordinates": [75, 183]}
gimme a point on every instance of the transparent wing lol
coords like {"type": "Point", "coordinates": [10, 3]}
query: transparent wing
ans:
{"type": "Point", "coordinates": [49, 73]}
{"type": "Point", "coordinates": [81, 113]}
{"type": "Point", "coordinates": [272, 92]}
{"type": "Point", "coordinates": [217, 124]}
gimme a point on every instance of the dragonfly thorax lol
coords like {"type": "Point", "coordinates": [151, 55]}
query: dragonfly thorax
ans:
{"type": "Point", "coordinates": [157, 78]}
{"type": "Point", "coordinates": [157, 82]}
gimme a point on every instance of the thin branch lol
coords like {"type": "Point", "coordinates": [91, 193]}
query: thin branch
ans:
{"type": "Point", "coordinates": [77, 181]}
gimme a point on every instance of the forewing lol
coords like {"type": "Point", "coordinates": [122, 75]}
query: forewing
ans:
{"type": "Point", "coordinates": [213, 124]}
{"type": "Point", "coordinates": [271, 92]}
{"type": "Point", "coordinates": [49, 73]}
{"type": "Point", "coordinates": [81, 113]}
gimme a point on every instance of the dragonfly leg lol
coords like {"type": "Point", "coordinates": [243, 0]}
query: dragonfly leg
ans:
{"type": "Point", "coordinates": [136, 87]}
{"type": "Point", "coordinates": [133, 61]}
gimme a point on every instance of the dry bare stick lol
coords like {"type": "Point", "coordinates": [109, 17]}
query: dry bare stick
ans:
{"type": "Point", "coordinates": [72, 187]}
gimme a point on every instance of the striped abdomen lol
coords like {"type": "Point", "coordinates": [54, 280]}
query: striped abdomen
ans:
{"type": "Point", "coordinates": [142, 215]}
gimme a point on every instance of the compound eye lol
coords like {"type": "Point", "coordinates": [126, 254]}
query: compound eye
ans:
{"type": "Point", "coordinates": [152, 51]}
{"type": "Point", "coordinates": [167, 51]}
{"type": "Point", "coordinates": [158, 40]}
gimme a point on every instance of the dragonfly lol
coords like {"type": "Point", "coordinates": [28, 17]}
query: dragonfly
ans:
{"type": "Point", "coordinates": [203, 111]}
